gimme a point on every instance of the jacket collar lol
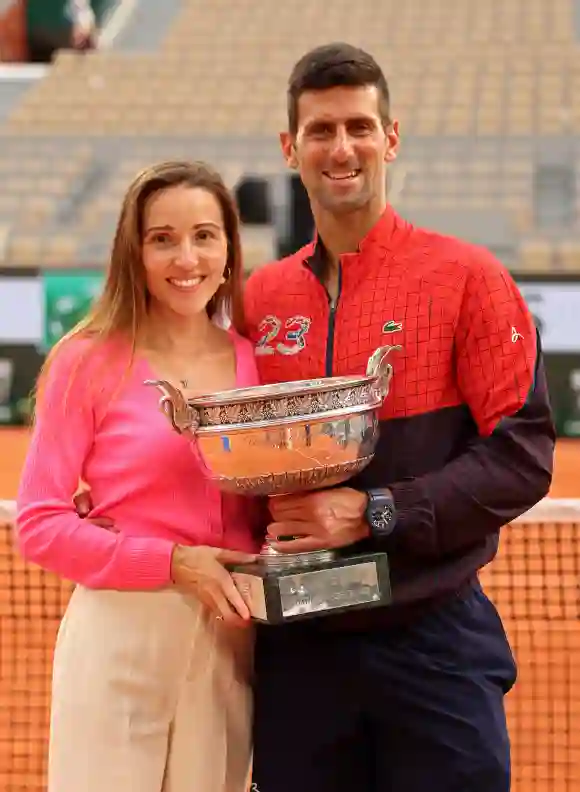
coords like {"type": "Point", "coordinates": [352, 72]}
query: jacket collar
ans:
{"type": "Point", "coordinates": [381, 233]}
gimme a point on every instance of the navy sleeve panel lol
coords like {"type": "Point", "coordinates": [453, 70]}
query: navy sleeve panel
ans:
{"type": "Point", "coordinates": [497, 479]}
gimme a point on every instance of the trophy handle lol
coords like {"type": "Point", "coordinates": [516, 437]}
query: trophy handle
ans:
{"type": "Point", "coordinates": [381, 371]}
{"type": "Point", "coordinates": [183, 417]}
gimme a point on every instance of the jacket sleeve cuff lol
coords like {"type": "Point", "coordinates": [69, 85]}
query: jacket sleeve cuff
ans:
{"type": "Point", "coordinates": [415, 517]}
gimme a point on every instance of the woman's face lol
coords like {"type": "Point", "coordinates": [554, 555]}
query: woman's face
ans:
{"type": "Point", "coordinates": [185, 248]}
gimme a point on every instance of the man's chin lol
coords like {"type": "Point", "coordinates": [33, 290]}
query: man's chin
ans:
{"type": "Point", "coordinates": [345, 206]}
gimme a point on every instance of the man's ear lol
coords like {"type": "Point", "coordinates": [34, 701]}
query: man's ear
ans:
{"type": "Point", "coordinates": [393, 142]}
{"type": "Point", "coordinates": [288, 150]}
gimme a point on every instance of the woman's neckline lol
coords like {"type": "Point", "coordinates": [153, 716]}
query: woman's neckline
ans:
{"type": "Point", "coordinates": [142, 360]}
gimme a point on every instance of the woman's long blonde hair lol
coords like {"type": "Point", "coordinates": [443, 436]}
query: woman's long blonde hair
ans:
{"type": "Point", "coordinates": [121, 309]}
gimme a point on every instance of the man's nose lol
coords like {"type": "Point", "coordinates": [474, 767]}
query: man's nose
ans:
{"type": "Point", "coordinates": [342, 145]}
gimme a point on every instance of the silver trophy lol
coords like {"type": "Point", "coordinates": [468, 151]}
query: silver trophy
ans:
{"type": "Point", "coordinates": [286, 438]}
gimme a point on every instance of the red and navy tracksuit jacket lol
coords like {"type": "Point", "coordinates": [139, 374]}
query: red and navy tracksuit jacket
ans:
{"type": "Point", "coordinates": [466, 432]}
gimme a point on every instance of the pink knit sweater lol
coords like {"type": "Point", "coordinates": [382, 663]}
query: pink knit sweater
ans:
{"type": "Point", "coordinates": [98, 422]}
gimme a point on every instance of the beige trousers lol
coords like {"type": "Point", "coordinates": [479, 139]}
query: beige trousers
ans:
{"type": "Point", "coordinates": [150, 694]}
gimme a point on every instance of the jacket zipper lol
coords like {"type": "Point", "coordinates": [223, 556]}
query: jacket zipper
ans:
{"type": "Point", "coordinates": [331, 323]}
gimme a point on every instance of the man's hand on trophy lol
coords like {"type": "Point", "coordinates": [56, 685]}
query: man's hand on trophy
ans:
{"type": "Point", "coordinates": [200, 571]}
{"type": "Point", "coordinates": [318, 520]}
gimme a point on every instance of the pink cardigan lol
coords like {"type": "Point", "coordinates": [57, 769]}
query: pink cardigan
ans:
{"type": "Point", "coordinates": [100, 423]}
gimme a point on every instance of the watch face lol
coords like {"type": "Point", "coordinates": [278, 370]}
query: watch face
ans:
{"type": "Point", "coordinates": [382, 517]}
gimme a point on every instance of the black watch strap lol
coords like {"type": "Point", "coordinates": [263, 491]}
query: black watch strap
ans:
{"type": "Point", "coordinates": [381, 514]}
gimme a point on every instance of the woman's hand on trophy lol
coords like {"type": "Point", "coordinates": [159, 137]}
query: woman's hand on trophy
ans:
{"type": "Point", "coordinates": [318, 520]}
{"type": "Point", "coordinates": [201, 571]}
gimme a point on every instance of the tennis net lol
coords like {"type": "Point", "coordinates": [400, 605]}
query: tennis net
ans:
{"type": "Point", "coordinates": [534, 582]}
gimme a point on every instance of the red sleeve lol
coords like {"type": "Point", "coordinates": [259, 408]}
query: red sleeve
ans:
{"type": "Point", "coordinates": [250, 291]}
{"type": "Point", "coordinates": [495, 344]}
{"type": "Point", "coordinates": [501, 375]}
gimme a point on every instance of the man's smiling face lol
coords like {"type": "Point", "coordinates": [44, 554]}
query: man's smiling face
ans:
{"type": "Point", "coordinates": [341, 147]}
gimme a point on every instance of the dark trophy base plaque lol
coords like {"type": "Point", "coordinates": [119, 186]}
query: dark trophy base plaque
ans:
{"type": "Point", "coordinates": [282, 588]}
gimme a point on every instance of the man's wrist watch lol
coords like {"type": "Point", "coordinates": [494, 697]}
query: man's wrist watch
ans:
{"type": "Point", "coordinates": [380, 513]}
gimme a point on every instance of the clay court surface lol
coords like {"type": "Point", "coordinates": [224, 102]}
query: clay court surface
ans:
{"type": "Point", "coordinates": [534, 583]}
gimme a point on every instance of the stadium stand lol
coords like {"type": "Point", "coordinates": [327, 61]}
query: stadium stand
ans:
{"type": "Point", "coordinates": [480, 90]}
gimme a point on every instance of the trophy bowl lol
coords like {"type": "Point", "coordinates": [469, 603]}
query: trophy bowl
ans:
{"type": "Point", "coordinates": [284, 438]}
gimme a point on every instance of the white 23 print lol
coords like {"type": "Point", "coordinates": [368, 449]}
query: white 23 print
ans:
{"type": "Point", "coordinates": [294, 331]}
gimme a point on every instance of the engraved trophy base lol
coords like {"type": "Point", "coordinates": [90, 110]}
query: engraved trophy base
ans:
{"type": "Point", "coordinates": [281, 587]}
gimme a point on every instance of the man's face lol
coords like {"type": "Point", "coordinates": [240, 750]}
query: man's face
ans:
{"type": "Point", "coordinates": [341, 147]}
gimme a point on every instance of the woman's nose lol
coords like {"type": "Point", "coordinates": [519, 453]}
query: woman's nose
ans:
{"type": "Point", "coordinates": [188, 253]}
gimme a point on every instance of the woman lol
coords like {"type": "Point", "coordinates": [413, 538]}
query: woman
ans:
{"type": "Point", "coordinates": [150, 689]}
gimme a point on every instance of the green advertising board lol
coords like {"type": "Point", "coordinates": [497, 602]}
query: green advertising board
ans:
{"type": "Point", "coordinates": [555, 306]}
{"type": "Point", "coordinates": [39, 307]}
{"type": "Point", "coordinates": [563, 374]}
{"type": "Point", "coordinates": [102, 7]}
{"type": "Point", "coordinates": [68, 295]}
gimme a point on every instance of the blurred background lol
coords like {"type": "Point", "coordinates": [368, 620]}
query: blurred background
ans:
{"type": "Point", "coordinates": [488, 97]}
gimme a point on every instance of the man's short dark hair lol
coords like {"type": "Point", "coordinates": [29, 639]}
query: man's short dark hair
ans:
{"type": "Point", "coordinates": [331, 66]}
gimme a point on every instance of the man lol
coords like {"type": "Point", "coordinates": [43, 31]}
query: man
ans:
{"type": "Point", "coordinates": [409, 697]}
